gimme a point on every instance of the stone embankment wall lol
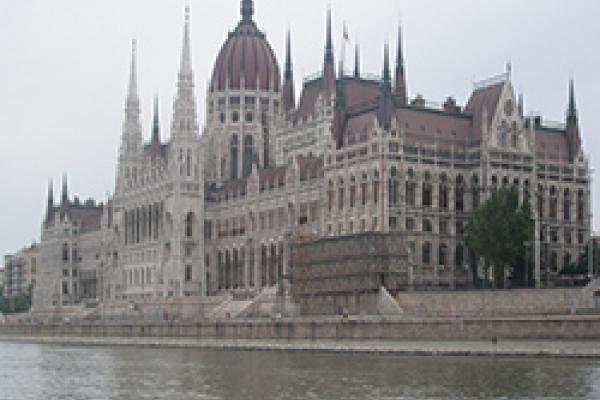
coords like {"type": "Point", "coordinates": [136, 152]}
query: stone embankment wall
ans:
{"type": "Point", "coordinates": [557, 327]}
{"type": "Point", "coordinates": [495, 302]}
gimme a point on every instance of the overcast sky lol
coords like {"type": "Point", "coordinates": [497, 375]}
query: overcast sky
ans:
{"type": "Point", "coordinates": [64, 70]}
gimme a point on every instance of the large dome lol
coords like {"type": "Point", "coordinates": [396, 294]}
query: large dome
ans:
{"type": "Point", "coordinates": [246, 53]}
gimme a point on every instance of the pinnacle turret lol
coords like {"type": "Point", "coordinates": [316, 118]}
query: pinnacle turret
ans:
{"type": "Point", "coordinates": [387, 77]}
{"type": "Point", "coordinates": [400, 84]}
{"type": "Point", "coordinates": [289, 100]}
{"type": "Point", "coordinates": [357, 62]}
{"type": "Point", "coordinates": [328, 41]}
{"type": "Point", "coordinates": [131, 138]}
{"type": "Point", "coordinates": [50, 200]}
{"type": "Point", "coordinates": [65, 191]}
{"type": "Point", "coordinates": [184, 107]}
{"type": "Point", "coordinates": [572, 110]}
{"type": "Point", "coordinates": [572, 129]}
{"type": "Point", "coordinates": [155, 124]}
{"type": "Point", "coordinates": [247, 9]}
{"type": "Point", "coordinates": [329, 61]}
{"type": "Point", "coordinates": [185, 70]}
{"type": "Point", "coordinates": [133, 99]}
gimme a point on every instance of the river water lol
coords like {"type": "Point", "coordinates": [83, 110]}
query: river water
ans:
{"type": "Point", "coordinates": [45, 372]}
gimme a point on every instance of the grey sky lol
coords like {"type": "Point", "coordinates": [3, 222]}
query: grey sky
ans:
{"type": "Point", "coordinates": [64, 70]}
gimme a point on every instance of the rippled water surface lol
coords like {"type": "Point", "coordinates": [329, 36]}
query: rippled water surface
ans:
{"type": "Point", "coordinates": [39, 372]}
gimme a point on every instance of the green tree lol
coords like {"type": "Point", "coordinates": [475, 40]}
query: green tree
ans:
{"type": "Point", "coordinates": [498, 231]}
{"type": "Point", "coordinates": [580, 266]}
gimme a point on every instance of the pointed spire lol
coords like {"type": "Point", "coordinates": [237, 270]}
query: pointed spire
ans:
{"type": "Point", "coordinates": [50, 201]}
{"type": "Point", "coordinates": [155, 124]}
{"type": "Point", "coordinates": [65, 190]}
{"type": "Point", "coordinates": [289, 97]}
{"type": "Point", "coordinates": [387, 77]}
{"type": "Point", "coordinates": [572, 129]}
{"type": "Point", "coordinates": [132, 93]}
{"type": "Point", "coordinates": [247, 10]}
{"type": "Point", "coordinates": [329, 40]}
{"type": "Point", "coordinates": [50, 194]}
{"type": "Point", "coordinates": [400, 87]}
{"type": "Point", "coordinates": [288, 57]}
{"type": "Point", "coordinates": [184, 121]}
{"type": "Point", "coordinates": [400, 55]}
{"type": "Point", "coordinates": [131, 139]}
{"type": "Point", "coordinates": [521, 105]}
{"type": "Point", "coordinates": [357, 61]}
{"type": "Point", "coordinates": [328, 82]}
{"type": "Point", "coordinates": [186, 58]}
{"type": "Point", "coordinates": [340, 95]}
{"type": "Point", "coordinates": [572, 111]}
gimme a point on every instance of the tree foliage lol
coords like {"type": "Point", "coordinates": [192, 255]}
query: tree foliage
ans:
{"type": "Point", "coordinates": [498, 231]}
{"type": "Point", "coordinates": [17, 304]}
{"type": "Point", "coordinates": [580, 266]}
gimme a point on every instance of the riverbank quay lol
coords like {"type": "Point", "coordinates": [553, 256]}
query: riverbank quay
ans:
{"type": "Point", "coordinates": [511, 348]}
{"type": "Point", "coordinates": [565, 327]}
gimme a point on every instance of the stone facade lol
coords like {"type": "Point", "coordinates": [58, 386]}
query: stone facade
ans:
{"type": "Point", "coordinates": [212, 210]}
{"type": "Point", "coordinates": [20, 271]}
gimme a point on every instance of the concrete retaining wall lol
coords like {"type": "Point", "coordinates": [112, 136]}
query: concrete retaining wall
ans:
{"type": "Point", "coordinates": [494, 302]}
{"type": "Point", "coordinates": [558, 327]}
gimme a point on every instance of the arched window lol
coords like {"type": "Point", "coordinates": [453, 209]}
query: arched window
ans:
{"type": "Point", "coordinates": [567, 205]}
{"type": "Point", "coordinates": [580, 205]}
{"type": "Point", "coordinates": [459, 256]}
{"type": "Point", "coordinates": [410, 188]}
{"type": "Point", "coordinates": [554, 262]}
{"type": "Point", "coordinates": [442, 252]}
{"type": "Point", "coordinates": [248, 155]}
{"type": "Point", "coordinates": [188, 163]}
{"type": "Point", "coordinates": [352, 191]}
{"type": "Point", "coordinates": [330, 196]}
{"type": "Point", "coordinates": [341, 195]}
{"type": "Point", "coordinates": [475, 191]}
{"type": "Point", "coordinates": [566, 260]}
{"type": "Point", "coordinates": [426, 256]}
{"type": "Point", "coordinates": [189, 225]}
{"type": "Point", "coordinates": [553, 203]}
{"type": "Point", "coordinates": [393, 187]}
{"type": "Point", "coordinates": [459, 190]}
{"type": "Point", "coordinates": [427, 190]}
{"type": "Point", "coordinates": [375, 187]}
{"type": "Point", "coordinates": [126, 226]}
{"type": "Point", "coordinates": [234, 151]}
{"type": "Point", "coordinates": [427, 226]}
{"type": "Point", "coordinates": [266, 154]}
{"type": "Point", "coordinates": [540, 201]}
{"type": "Point", "coordinates": [65, 252]}
{"type": "Point", "coordinates": [443, 196]}
{"type": "Point", "coordinates": [363, 190]}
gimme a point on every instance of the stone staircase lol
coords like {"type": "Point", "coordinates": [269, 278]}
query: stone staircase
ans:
{"type": "Point", "coordinates": [230, 308]}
